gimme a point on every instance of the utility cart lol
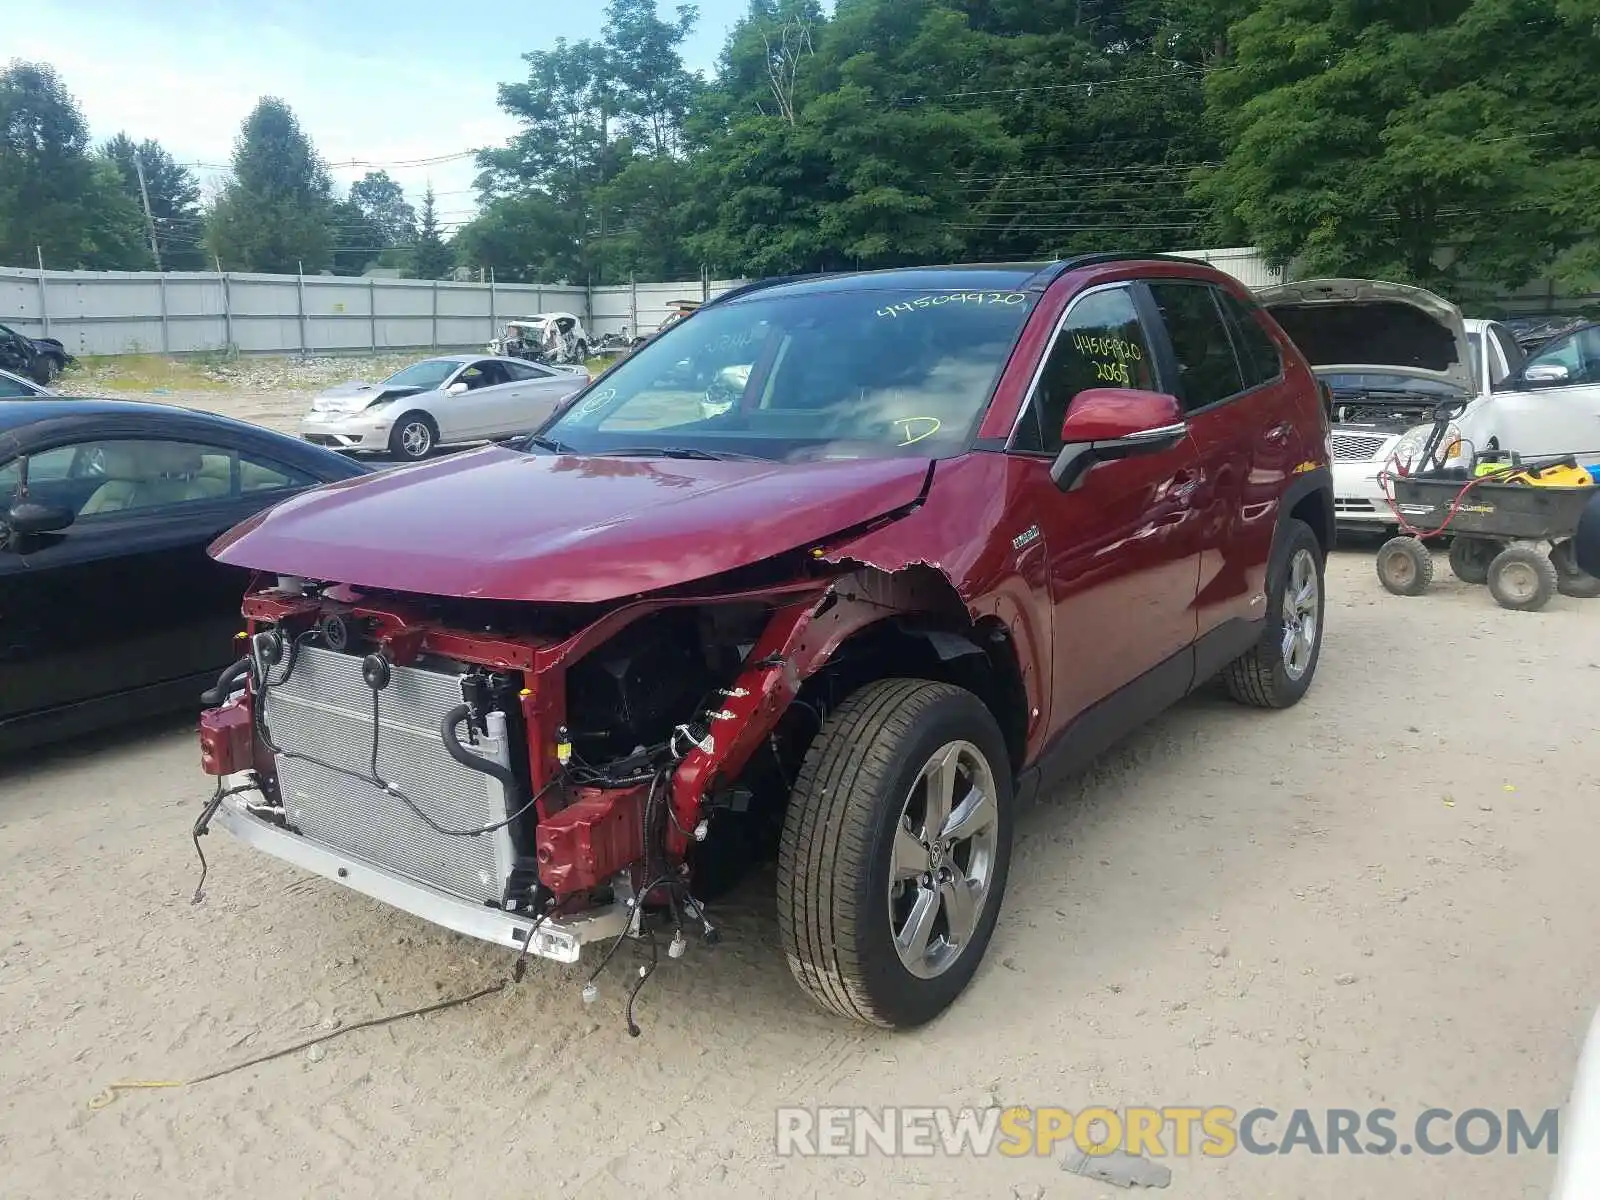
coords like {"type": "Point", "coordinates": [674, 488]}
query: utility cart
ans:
{"type": "Point", "coordinates": [1510, 528]}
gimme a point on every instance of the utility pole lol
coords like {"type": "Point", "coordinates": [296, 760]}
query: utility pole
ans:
{"type": "Point", "coordinates": [149, 221]}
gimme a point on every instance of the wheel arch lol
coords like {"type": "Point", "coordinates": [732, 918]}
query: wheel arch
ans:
{"type": "Point", "coordinates": [1309, 498]}
{"type": "Point", "coordinates": [925, 632]}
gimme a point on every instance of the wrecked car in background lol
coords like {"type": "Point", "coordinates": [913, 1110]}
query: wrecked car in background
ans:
{"type": "Point", "coordinates": [938, 537]}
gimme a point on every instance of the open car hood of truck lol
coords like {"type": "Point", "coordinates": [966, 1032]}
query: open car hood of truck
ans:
{"type": "Point", "coordinates": [497, 524]}
{"type": "Point", "coordinates": [1351, 325]}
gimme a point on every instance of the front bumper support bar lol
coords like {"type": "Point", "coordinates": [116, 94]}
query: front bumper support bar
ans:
{"type": "Point", "coordinates": [561, 939]}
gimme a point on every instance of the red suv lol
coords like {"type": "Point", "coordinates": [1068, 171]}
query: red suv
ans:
{"type": "Point", "coordinates": [837, 571]}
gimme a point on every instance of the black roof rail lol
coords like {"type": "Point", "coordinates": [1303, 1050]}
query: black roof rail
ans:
{"type": "Point", "coordinates": [1045, 276]}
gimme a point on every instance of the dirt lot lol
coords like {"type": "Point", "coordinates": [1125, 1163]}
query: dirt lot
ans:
{"type": "Point", "coordinates": [1383, 898]}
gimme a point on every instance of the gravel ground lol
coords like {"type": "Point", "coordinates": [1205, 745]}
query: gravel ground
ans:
{"type": "Point", "coordinates": [1384, 897]}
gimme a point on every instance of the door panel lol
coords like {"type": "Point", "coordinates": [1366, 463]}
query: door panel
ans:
{"type": "Point", "coordinates": [1122, 561]}
{"type": "Point", "coordinates": [115, 604]}
{"type": "Point", "coordinates": [1121, 547]}
{"type": "Point", "coordinates": [1546, 420]}
{"type": "Point", "coordinates": [1239, 413]}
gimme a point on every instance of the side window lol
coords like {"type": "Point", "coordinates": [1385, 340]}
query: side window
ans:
{"type": "Point", "coordinates": [1208, 370]}
{"type": "Point", "coordinates": [48, 466]}
{"type": "Point", "coordinates": [1258, 353]}
{"type": "Point", "coordinates": [473, 377]}
{"type": "Point", "coordinates": [523, 371]}
{"type": "Point", "coordinates": [104, 478]}
{"type": "Point", "coordinates": [16, 389]}
{"type": "Point", "coordinates": [1101, 344]}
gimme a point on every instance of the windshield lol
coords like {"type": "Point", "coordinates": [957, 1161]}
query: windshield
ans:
{"type": "Point", "coordinates": [842, 374]}
{"type": "Point", "coordinates": [428, 374]}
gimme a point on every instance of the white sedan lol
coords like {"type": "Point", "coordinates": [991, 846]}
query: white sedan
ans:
{"type": "Point", "coordinates": [447, 400]}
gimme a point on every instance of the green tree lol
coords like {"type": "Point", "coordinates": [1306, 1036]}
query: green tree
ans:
{"type": "Point", "coordinates": [645, 72]}
{"type": "Point", "coordinates": [174, 198]}
{"type": "Point", "coordinates": [56, 199]}
{"type": "Point", "coordinates": [275, 213]}
{"type": "Point", "coordinates": [431, 258]}
{"type": "Point", "coordinates": [382, 202]}
{"type": "Point", "coordinates": [1449, 143]}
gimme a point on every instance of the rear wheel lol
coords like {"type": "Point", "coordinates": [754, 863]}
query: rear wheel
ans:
{"type": "Point", "coordinates": [1470, 558]}
{"type": "Point", "coordinates": [895, 850]}
{"type": "Point", "coordinates": [1571, 579]}
{"type": "Point", "coordinates": [1522, 579]}
{"type": "Point", "coordinates": [413, 437]}
{"type": "Point", "coordinates": [1277, 671]}
{"type": "Point", "coordinates": [1404, 566]}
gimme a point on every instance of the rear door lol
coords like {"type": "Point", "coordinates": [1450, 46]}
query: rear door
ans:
{"type": "Point", "coordinates": [1229, 378]}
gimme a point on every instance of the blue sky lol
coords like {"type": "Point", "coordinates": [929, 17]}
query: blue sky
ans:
{"type": "Point", "coordinates": [379, 81]}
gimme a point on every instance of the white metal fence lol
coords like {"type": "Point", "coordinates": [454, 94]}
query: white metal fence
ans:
{"type": "Point", "coordinates": [132, 312]}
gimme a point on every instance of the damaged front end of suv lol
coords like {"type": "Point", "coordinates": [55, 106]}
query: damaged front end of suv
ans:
{"type": "Point", "coordinates": [566, 692]}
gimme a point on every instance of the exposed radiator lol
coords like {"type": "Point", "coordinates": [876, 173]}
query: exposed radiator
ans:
{"type": "Point", "coordinates": [324, 709]}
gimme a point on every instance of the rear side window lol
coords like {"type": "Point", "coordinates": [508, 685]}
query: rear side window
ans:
{"type": "Point", "coordinates": [1208, 370]}
{"type": "Point", "coordinates": [1258, 353]}
{"type": "Point", "coordinates": [1102, 344]}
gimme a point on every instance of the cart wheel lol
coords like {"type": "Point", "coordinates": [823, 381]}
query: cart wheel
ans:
{"type": "Point", "coordinates": [1404, 566]}
{"type": "Point", "coordinates": [1522, 579]}
{"type": "Point", "coordinates": [1470, 558]}
{"type": "Point", "coordinates": [1571, 579]}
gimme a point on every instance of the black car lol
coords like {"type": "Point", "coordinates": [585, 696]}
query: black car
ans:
{"type": "Point", "coordinates": [109, 605]}
{"type": "Point", "coordinates": [38, 358]}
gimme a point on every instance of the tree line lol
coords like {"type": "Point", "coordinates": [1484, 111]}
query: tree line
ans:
{"type": "Point", "coordinates": [1448, 143]}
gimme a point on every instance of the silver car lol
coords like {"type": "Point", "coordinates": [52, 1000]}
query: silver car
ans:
{"type": "Point", "coordinates": [440, 401]}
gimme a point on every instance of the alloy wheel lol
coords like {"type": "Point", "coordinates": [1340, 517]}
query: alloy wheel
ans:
{"type": "Point", "coordinates": [416, 439]}
{"type": "Point", "coordinates": [943, 859]}
{"type": "Point", "coordinates": [1300, 614]}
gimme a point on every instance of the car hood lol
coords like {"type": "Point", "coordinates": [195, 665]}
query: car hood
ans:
{"type": "Point", "coordinates": [1346, 325]}
{"type": "Point", "coordinates": [501, 525]}
{"type": "Point", "coordinates": [356, 395]}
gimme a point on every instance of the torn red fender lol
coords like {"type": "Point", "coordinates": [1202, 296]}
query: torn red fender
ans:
{"type": "Point", "coordinates": [798, 641]}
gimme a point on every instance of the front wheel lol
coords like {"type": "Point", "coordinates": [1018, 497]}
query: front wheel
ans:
{"type": "Point", "coordinates": [413, 437]}
{"type": "Point", "coordinates": [895, 850]}
{"type": "Point", "coordinates": [1276, 672]}
{"type": "Point", "coordinates": [1405, 567]}
{"type": "Point", "coordinates": [46, 369]}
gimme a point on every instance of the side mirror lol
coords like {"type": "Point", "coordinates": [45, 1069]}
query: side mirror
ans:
{"type": "Point", "coordinates": [27, 518]}
{"type": "Point", "coordinates": [455, 389]}
{"type": "Point", "coordinates": [1105, 424]}
{"type": "Point", "coordinates": [1546, 375]}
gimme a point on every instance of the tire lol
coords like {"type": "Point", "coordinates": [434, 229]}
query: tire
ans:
{"type": "Point", "coordinates": [46, 369]}
{"type": "Point", "coordinates": [1277, 671]}
{"type": "Point", "coordinates": [1405, 567]}
{"type": "Point", "coordinates": [1470, 558]}
{"type": "Point", "coordinates": [1522, 579]}
{"type": "Point", "coordinates": [1571, 579]}
{"type": "Point", "coordinates": [413, 437]}
{"type": "Point", "coordinates": [854, 814]}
